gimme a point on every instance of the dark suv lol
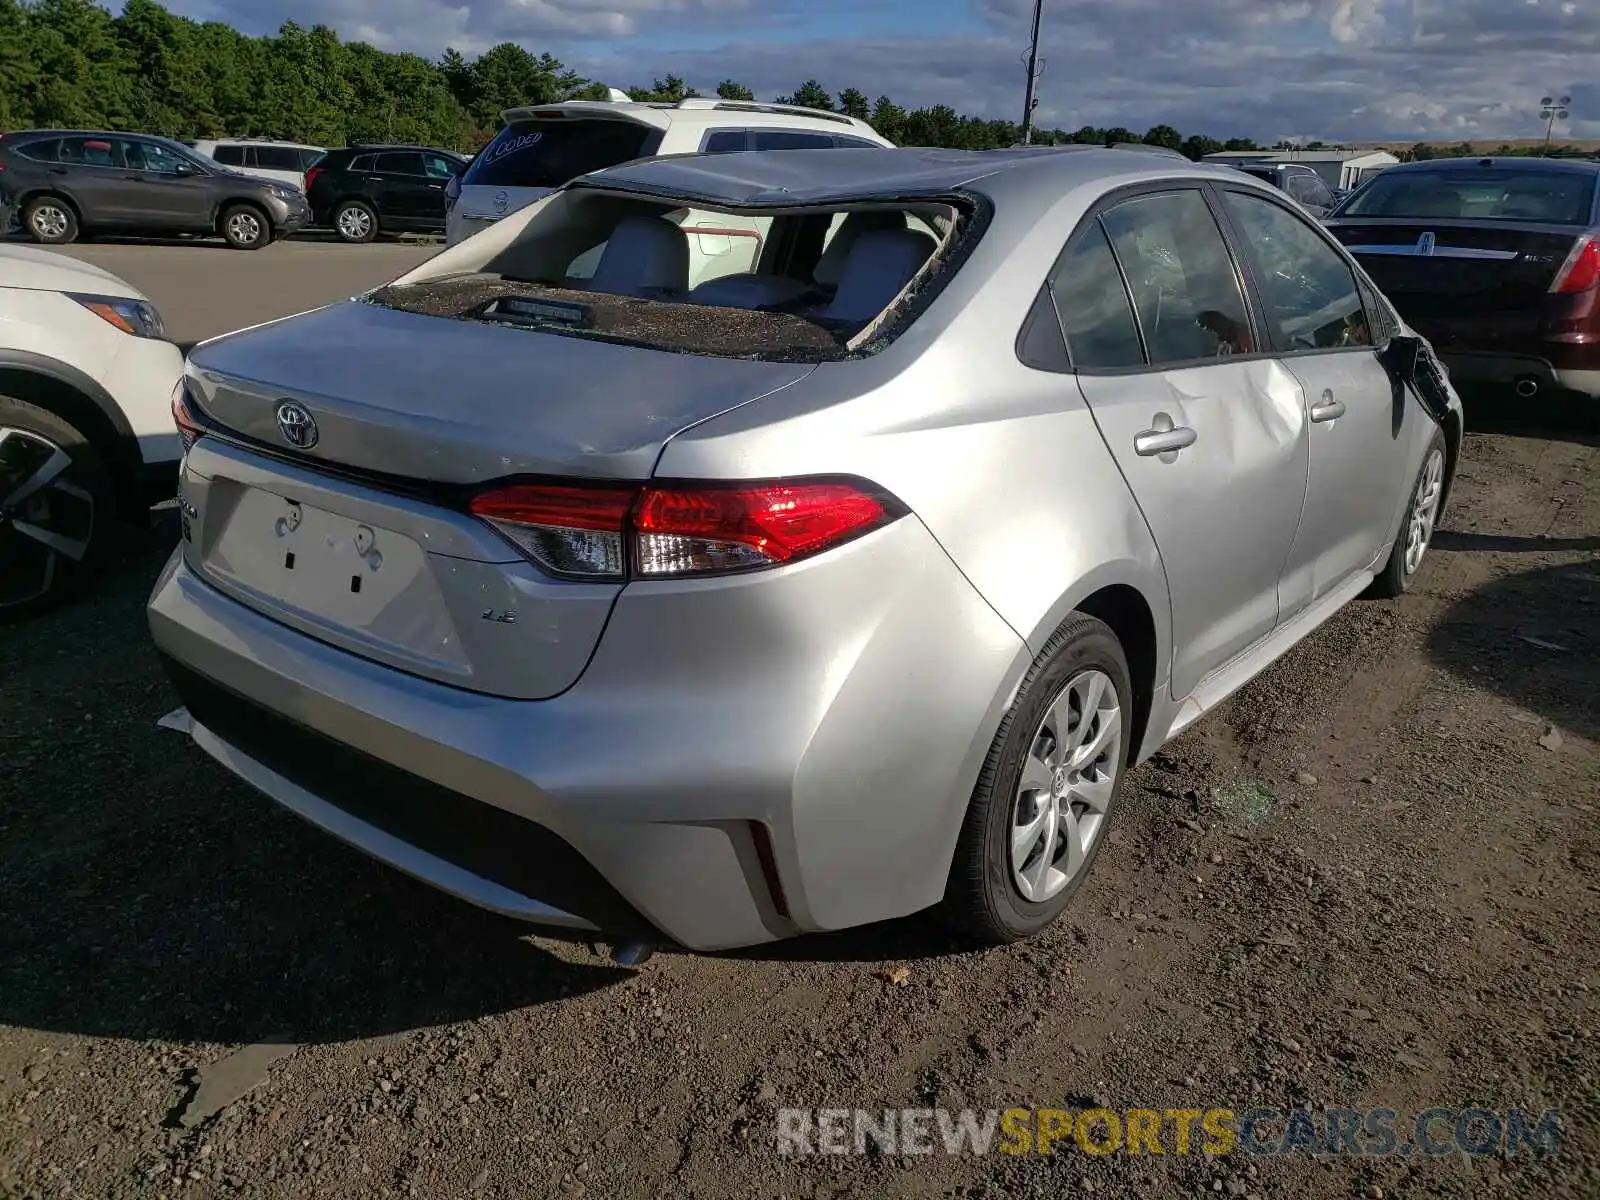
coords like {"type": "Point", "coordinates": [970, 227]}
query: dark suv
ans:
{"type": "Point", "coordinates": [365, 190]}
{"type": "Point", "coordinates": [1302, 183]}
{"type": "Point", "coordinates": [63, 183]}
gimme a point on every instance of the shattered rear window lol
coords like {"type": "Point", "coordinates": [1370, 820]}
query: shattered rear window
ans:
{"type": "Point", "coordinates": [659, 325]}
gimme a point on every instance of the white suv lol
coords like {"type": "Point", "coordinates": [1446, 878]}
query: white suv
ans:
{"type": "Point", "coordinates": [86, 427]}
{"type": "Point", "coordinates": [284, 161]}
{"type": "Point", "coordinates": [539, 149]}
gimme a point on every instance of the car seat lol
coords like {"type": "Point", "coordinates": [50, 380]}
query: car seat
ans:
{"type": "Point", "coordinates": [880, 263]}
{"type": "Point", "coordinates": [645, 257]}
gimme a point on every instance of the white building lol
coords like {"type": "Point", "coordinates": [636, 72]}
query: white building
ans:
{"type": "Point", "coordinates": [1338, 168]}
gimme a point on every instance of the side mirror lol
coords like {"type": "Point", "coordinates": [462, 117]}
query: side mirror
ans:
{"type": "Point", "coordinates": [1400, 356]}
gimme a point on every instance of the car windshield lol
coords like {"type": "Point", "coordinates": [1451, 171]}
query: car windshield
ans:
{"type": "Point", "coordinates": [548, 154]}
{"type": "Point", "coordinates": [1546, 197]}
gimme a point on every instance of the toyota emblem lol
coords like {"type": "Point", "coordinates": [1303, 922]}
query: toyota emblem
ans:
{"type": "Point", "coordinates": [298, 426]}
{"type": "Point", "coordinates": [501, 202]}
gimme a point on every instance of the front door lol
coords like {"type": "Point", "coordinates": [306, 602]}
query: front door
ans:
{"type": "Point", "coordinates": [165, 190]}
{"type": "Point", "coordinates": [1209, 433]}
{"type": "Point", "coordinates": [1358, 414]}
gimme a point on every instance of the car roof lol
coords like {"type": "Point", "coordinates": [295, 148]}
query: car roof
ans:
{"type": "Point", "coordinates": [697, 110]}
{"type": "Point", "coordinates": [1523, 163]}
{"type": "Point", "coordinates": [781, 178]}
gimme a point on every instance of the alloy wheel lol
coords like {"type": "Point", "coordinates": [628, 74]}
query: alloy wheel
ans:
{"type": "Point", "coordinates": [1068, 777]}
{"type": "Point", "coordinates": [1424, 510]}
{"type": "Point", "coordinates": [45, 517]}
{"type": "Point", "coordinates": [49, 221]}
{"type": "Point", "coordinates": [355, 224]}
{"type": "Point", "coordinates": [244, 227]}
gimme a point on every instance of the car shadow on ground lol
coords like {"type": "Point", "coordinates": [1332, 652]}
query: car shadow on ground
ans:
{"type": "Point", "coordinates": [1532, 638]}
{"type": "Point", "coordinates": [149, 895]}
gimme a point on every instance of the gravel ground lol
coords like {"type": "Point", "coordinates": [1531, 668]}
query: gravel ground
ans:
{"type": "Point", "coordinates": [1369, 880]}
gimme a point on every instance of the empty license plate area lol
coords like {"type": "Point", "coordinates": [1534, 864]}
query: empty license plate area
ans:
{"type": "Point", "coordinates": [329, 571]}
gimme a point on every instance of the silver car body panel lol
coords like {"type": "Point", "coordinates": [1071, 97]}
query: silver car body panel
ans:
{"type": "Point", "coordinates": [844, 703]}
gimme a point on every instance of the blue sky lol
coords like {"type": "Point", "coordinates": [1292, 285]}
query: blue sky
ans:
{"type": "Point", "coordinates": [1347, 69]}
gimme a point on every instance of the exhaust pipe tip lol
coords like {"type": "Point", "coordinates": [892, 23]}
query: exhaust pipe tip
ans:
{"type": "Point", "coordinates": [632, 954]}
{"type": "Point", "coordinates": [1527, 387]}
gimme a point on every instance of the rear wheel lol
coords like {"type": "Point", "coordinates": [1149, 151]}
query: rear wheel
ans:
{"type": "Point", "coordinates": [50, 221]}
{"type": "Point", "coordinates": [246, 227]}
{"type": "Point", "coordinates": [354, 221]}
{"type": "Point", "coordinates": [55, 509]}
{"type": "Point", "coordinates": [1044, 801]}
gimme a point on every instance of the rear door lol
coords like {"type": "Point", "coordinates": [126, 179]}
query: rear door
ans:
{"type": "Point", "coordinates": [1358, 415]}
{"type": "Point", "coordinates": [401, 188]}
{"type": "Point", "coordinates": [95, 176]}
{"type": "Point", "coordinates": [1207, 429]}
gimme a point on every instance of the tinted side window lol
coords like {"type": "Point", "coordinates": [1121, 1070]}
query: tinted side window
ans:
{"type": "Point", "coordinates": [147, 156]}
{"type": "Point", "coordinates": [230, 156]}
{"type": "Point", "coordinates": [1093, 304]}
{"type": "Point", "coordinates": [1307, 288]}
{"type": "Point", "coordinates": [437, 166]}
{"type": "Point", "coordinates": [310, 158]}
{"type": "Point", "coordinates": [850, 143]}
{"type": "Point", "coordinates": [91, 152]}
{"type": "Point", "coordinates": [362, 162]}
{"type": "Point", "coordinates": [277, 158]}
{"type": "Point", "coordinates": [400, 164]}
{"type": "Point", "coordinates": [551, 153]}
{"type": "Point", "coordinates": [725, 141]}
{"type": "Point", "coordinates": [789, 139]}
{"type": "Point", "coordinates": [41, 151]}
{"type": "Point", "coordinates": [1183, 283]}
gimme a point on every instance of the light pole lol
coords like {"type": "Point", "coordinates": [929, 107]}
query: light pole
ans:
{"type": "Point", "coordinates": [1034, 70]}
{"type": "Point", "coordinates": [1552, 110]}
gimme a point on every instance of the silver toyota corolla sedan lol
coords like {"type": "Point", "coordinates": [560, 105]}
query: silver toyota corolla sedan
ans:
{"type": "Point", "coordinates": [818, 593]}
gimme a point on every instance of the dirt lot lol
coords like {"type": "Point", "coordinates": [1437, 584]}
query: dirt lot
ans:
{"type": "Point", "coordinates": [1372, 880]}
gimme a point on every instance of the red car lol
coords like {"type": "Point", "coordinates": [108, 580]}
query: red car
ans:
{"type": "Point", "coordinates": [1496, 261]}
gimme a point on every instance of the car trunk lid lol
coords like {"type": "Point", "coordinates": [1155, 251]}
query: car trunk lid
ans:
{"type": "Point", "coordinates": [362, 538]}
{"type": "Point", "coordinates": [1474, 278]}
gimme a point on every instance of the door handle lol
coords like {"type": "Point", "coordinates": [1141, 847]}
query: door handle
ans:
{"type": "Point", "coordinates": [1163, 438]}
{"type": "Point", "coordinates": [1329, 410]}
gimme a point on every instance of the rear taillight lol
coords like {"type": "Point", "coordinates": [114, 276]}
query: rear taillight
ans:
{"type": "Point", "coordinates": [311, 176]}
{"type": "Point", "coordinates": [604, 533]}
{"type": "Point", "coordinates": [1581, 271]}
{"type": "Point", "coordinates": [190, 430]}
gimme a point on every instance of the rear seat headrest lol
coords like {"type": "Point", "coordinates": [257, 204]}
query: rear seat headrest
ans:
{"type": "Point", "coordinates": [880, 264]}
{"type": "Point", "coordinates": [645, 256]}
{"type": "Point", "coordinates": [830, 267]}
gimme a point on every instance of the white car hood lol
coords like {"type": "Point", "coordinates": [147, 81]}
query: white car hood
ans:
{"type": "Point", "coordinates": [49, 271]}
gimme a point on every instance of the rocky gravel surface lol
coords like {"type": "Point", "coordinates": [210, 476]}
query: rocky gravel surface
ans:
{"type": "Point", "coordinates": [1371, 880]}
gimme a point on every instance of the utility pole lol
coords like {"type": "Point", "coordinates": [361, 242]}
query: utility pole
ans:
{"type": "Point", "coordinates": [1552, 110]}
{"type": "Point", "coordinates": [1034, 70]}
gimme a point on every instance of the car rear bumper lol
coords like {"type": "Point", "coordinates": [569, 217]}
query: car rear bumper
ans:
{"type": "Point", "coordinates": [1569, 372]}
{"type": "Point", "coordinates": [743, 760]}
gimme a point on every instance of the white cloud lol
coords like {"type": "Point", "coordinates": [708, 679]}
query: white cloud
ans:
{"type": "Point", "coordinates": [1350, 69]}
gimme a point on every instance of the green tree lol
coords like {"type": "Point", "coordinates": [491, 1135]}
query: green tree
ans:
{"type": "Point", "coordinates": [729, 90]}
{"type": "Point", "coordinates": [1237, 144]}
{"type": "Point", "coordinates": [1197, 146]}
{"type": "Point", "coordinates": [855, 104]}
{"type": "Point", "coordinates": [664, 91]}
{"type": "Point", "coordinates": [810, 94]}
{"type": "Point", "coordinates": [889, 119]}
{"type": "Point", "coordinates": [1165, 136]}
{"type": "Point", "coordinates": [1117, 135]}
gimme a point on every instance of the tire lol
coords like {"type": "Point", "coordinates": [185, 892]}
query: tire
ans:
{"type": "Point", "coordinates": [52, 535]}
{"type": "Point", "coordinates": [355, 222]}
{"type": "Point", "coordinates": [245, 227]}
{"type": "Point", "coordinates": [1417, 526]}
{"type": "Point", "coordinates": [985, 898]}
{"type": "Point", "coordinates": [50, 221]}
